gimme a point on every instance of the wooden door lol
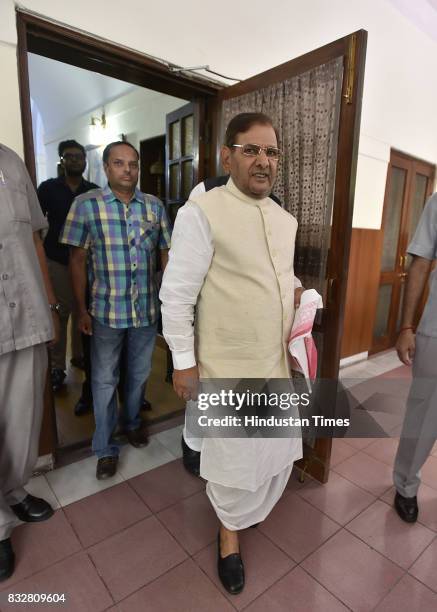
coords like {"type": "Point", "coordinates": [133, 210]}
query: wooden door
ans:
{"type": "Point", "coordinates": [409, 184]}
{"type": "Point", "coordinates": [152, 168]}
{"type": "Point", "coordinates": [181, 155]}
{"type": "Point", "coordinates": [352, 50]}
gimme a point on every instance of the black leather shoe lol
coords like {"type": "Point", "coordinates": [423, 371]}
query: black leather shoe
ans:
{"type": "Point", "coordinates": [57, 378]}
{"type": "Point", "coordinates": [32, 509]}
{"type": "Point", "coordinates": [406, 507]}
{"type": "Point", "coordinates": [146, 405]}
{"type": "Point", "coordinates": [7, 559]}
{"type": "Point", "coordinates": [106, 467]}
{"type": "Point", "coordinates": [82, 407]}
{"type": "Point", "coordinates": [190, 459]}
{"type": "Point", "coordinates": [230, 571]}
{"type": "Point", "coordinates": [138, 437]}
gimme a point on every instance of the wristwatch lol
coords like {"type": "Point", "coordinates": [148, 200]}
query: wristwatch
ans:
{"type": "Point", "coordinates": [55, 307]}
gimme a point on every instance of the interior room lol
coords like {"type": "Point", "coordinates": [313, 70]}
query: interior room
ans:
{"type": "Point", "coordinates": [351, 87]}
{"type": "Point", "coordinates": [72, 103]}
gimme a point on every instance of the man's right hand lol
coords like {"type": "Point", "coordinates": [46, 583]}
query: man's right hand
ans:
{"type": "Point", "coordinates": [85, 324]}
{"type": "Point", "coordinates": [406, 346]}
{"type": "Point", "coordinates": [186, 382]}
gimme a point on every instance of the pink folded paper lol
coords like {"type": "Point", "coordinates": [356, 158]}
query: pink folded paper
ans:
{"type": "Point", "coordinates": [301, 345]}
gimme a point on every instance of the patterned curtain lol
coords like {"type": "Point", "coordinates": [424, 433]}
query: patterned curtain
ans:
{"type": "Point", "coordinates": [305, 109]}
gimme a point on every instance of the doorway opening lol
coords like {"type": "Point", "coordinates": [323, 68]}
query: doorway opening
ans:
{"type": "Point", "coordinates": [88, 94]}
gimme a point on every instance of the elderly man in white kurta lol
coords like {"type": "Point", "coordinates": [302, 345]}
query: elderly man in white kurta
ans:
{"type": "Point", "coordinates": [232, 257]}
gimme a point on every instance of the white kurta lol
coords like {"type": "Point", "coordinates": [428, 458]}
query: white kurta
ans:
{"type": "Point", "coordinates": [244, 293]}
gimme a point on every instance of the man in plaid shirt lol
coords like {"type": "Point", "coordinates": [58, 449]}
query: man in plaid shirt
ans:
{"type": "Point", "coordinates": [117, 231]}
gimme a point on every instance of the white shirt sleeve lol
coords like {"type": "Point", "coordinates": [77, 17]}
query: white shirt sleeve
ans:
{"type": "Point", "coordinates": [189, 261]}
{"type": "Point", "coordinates": [297, 283]}
{"type": "Point", "coordinates": [197, 190]}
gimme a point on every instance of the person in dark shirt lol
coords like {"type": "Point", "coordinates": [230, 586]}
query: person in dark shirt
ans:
{"type": "Point", "coordinates": [56, 196]}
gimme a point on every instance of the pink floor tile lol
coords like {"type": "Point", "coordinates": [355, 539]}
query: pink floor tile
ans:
{"type": "Point", "coordinates": [359, 443]}
{"type": "Point", "coordinates": [296, 592]}
{"type": "Point", "coordinates": [297, 527]}
{"type": "Point", "coordinates": [264, 564]}
{"type": "Point", "coordinates": [192, 521]}
{"type": "Point", "coordinates": [425, 568]}
{"type": "Point", "coordinates": [339, 498]}
{"type": "Point", "coordinates": [427, 502]}
{"type": "Point", "coordinates": [184, 588]}
{"type": "Point", "coordinates": [74, 577]}
{"type": "Point", "coordinates": [366, 472]}
{"type": "Point", "coordinates": [383, 450]}
{"type": "Point", "coordinates": [341, 451]}
{"type": "Point", "coordinates": [381, 528]}
{"type": "Point", "coordinates": [294, 483]}
{"type": "Point", "coordinates": [166, 485]}
{"type": "Point", "coordinates": [353, 572]}
{"type": "Point", "coordinates": [99, 516]}
{"type": "Point", "coordinates": [402, 371]}
{"type": "Point", "coordinates": [409, 595]}
{"type": "Point", "coordinates": [133, 558]}
{"type": "Point", "coordinates": [38, 545]}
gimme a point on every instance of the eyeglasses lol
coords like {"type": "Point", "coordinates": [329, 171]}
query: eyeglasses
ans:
{"type": "Point", "coordinates": [253, 150]}
{"type": "Point", "coordinates": [73, 157]}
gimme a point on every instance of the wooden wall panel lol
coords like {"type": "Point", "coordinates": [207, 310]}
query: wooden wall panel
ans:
{"type": "Point", "coordinates": [362, 291]}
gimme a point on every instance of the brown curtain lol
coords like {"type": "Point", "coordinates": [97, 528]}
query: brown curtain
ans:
{"type": "Point", "coordinates": [305, 109]}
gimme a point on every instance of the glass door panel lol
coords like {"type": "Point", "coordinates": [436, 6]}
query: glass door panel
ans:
{"type": "Point", "coordinates": [392, 222]}
{"type": "Point", "coordinates": [382, 311]}
{"type": "Point", "coordinates": [418, 200]}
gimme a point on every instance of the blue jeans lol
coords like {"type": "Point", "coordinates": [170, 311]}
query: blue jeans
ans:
{"type": "Point", "coordinates": [106, 347]}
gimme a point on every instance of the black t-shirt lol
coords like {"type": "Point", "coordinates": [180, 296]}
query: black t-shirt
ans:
{"type": "Point", "coordinates": [55, 198]}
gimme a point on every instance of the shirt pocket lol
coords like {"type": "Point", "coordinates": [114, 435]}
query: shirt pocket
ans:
{"type": "Point", "coordinates": [17, 203]}
{"type": "Point", "coordinates": [149, 233]}
{"type": "Point", "coordinates": [16, 197]}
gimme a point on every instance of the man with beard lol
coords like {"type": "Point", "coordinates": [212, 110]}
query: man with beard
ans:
{"type": "Point", "coordinates": [232, 258]}
{"type": "Point", "coordinates": [56, 196]}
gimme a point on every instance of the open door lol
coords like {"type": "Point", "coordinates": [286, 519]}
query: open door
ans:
{"type": "Point", "coordinates": [410, 182]}
{"type": "Point", "coordinates": [340, 66]}
{"type": "Point", "coordinates": [181, 155]}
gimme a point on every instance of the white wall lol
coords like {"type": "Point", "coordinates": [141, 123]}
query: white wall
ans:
{"type": "Point", "coordinates": [139, 114]}
{"type": "Point", "coordinates": [400, 85]}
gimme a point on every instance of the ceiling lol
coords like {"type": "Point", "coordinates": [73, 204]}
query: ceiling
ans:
{"type": "Point", "coordinates": [423, 13]}
{"type": "Point", "coordinates": [63, 92]}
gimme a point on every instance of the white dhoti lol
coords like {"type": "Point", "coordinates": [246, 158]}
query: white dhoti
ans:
{"type": "Point", "coordinates": [246, 477]}
{"type": "Point", "coordinates": [239, 508]}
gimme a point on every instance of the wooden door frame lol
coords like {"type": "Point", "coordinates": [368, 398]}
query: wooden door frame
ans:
{"type": "Point", "coordinates": [412, 166]}
{"type": "Point", "coordinates": [36, 35]}
{"type": "Point", "coordinates": [353, 49]}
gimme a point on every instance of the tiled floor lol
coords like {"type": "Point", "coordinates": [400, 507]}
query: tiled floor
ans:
{"type": "Point", "coordinates": [147, 540]}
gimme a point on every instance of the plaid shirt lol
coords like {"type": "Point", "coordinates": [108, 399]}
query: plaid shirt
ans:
{"type": "Point", "coordinates": [122, 241]}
